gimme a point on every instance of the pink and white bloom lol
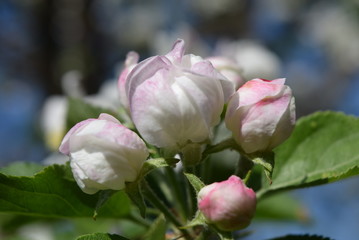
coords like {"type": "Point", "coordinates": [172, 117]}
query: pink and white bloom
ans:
{"type": "Point", "coordinates": [261, 114]}
{"type": "Point", "coordinates": [130, 62]}
{"type": "Point", "coordinates": [103, 154]}
{"type": "Point", "coordinates": [229, 205]}
{"type": "Point", "coordinates": [230, 69]}
{"type": "Point", "coordinates": [175, 99]}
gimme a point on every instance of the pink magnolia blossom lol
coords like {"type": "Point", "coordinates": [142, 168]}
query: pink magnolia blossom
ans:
{"type": "Point", "coordinates": [229, 205]}
{"type": "Point", "coordinates": [261, 114]}
{"type": "Point", "coordinates": [175, 99]}
{"type": "Point", "coordinates": [103, 154]}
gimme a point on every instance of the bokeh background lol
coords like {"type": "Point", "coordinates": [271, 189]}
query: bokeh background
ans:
{"type": "Point", "coordinates": [55, 48]}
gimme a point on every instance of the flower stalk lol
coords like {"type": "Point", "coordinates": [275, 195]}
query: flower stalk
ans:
{"type": "Point", "coordinates": [155, 201]}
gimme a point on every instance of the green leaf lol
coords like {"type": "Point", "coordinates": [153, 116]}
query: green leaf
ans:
{"type": "Point", "coordinates": [266, 160]}
{"type": "Point", "coordinates": [152, 164]}
{"type": "Point", "coordinates": [281, 207]}
{"type": "Point", "coordinates": [51, 193]}
{"type": "Point", "coordinates": [323, 148]}
{"type": "Point", "coordinates": [22, 169]}
{"type": "Point", "coordinates": [198, 219]}
{"type": "Point", "coordinates": [157, 230]}
{"type": "Point", "coordinates": [301, 237]}
{"type": "Point", "coordinates": [196, 183]}
{"type": "Point", "coordinates": [104, 196]}
{"type": "Point", "coordinates": [101, 236]}
{"type": "Point", "coordinates": [133, 191]}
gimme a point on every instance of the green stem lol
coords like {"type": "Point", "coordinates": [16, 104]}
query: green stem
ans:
{"type": "Point", "coordinates": [178, 191]}
{"type": "Point", "coordinates": [225, 144]}
{"type": "Point", "coordinates": [155, 201]}
{"type": "Point", "coordinates": [243, 167]}
{"type": "Point", "coordinates": [137, 219]}
{"type": "Point", "coordinates": [191, 154]}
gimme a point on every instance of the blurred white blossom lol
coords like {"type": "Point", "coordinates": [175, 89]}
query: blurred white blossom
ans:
{"type": "Point", "coordinates": [336, 30]}
{"type": "Point", "coordinates": [255, 59]}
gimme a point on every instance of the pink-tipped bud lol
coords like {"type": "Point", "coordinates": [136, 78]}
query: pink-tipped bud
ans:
{"type": "Point", "coordinates": [229, 205]}
{"type": "Point", "coordinates": [261, 114]}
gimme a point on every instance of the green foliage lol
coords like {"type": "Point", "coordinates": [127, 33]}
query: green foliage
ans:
{"type": "Point", "coordinates": [157, 230]}
{"type": "Point", "coordinates": [101, 236]}
{"type": "Point", "coordinates": [281, 207]}
{"type": "Point", "coordinates": [133, 189]}
{"type": "Point", "coordinates": [198, 219]}
{"type": "Point", "coordinates": [22, 169]}
{"type": "Point", "coordinates": [53, 193]}
{"type": "Point", "coordinates": [323, 148]}
{"type": "Point", "coordinates": [196, 183]}
{"type": "Point", "coordinates": [266, 160]}
{"type": "Point", "coordinates": [155, 163]}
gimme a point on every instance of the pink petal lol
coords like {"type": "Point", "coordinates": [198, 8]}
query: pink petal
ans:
{"type": "Point", "coordinates": [143, 71]}
{"type": "Point", "coordinates": [64, 147]}
{"type": "Point", "coordinates": [177, 51]}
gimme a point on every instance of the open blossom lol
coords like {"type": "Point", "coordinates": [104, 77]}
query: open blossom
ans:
{"type": "Point", "coordinates": [229, 68]}
{"type": "Point", "coordinates": [103, 154]}
{"type": "Point", "coordinates": [229, 205]}
{"type": "Point", "coordinates": [175, 99]}
{"type": "Point", "coordinates": [261, 114]}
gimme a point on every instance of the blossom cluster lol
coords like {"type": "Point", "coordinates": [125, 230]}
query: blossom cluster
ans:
{"type": "Point", "coordinates": [175, 101]}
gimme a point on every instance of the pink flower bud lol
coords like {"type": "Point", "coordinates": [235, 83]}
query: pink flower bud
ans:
{"type": "Point", "coordinates": [229, 205]}
{"type": "Point", "coordinates": [130, 63]}
{"type": "Point", "coordinates": [175, 99]}
{"type": "Point", "coordinates": [261, 114]}
{"type": "Point", "coordinates": [103, 154]}
{"type": "Point", "coordinates": [230, 69]}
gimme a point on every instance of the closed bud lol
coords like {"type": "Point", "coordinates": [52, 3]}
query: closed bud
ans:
{"type": "Point", "coordinates": [229, 205]}
{"type": "Point", "coordinates": [261, 114]}
{"type": "Point", "coordinates": [175, 99]}
{"type": "Point", "coordinates": [103, 154]}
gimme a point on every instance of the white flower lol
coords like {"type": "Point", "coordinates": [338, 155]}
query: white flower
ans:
{"type": "Point", "coordinates": [103, 154]}
{"type": "Point", "coordinates": [175, 99]}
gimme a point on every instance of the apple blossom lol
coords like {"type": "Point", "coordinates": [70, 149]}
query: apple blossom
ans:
{"type": "Point", "coordinates": [175, 99]}
{"type": "Point", "coordinates": [103, 154]}
{"type": "Point", "coordinates": [229, 205]}
{"type": "Point", "coordinates": [261, 114]}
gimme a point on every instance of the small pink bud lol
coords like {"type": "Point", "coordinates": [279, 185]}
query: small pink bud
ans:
{"type": "Point", "coordinates": [261, 114]}
{"type": "Point", "coordinates": [103, 154]}
{"type": "Point", "coordinates": [229, 205]}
